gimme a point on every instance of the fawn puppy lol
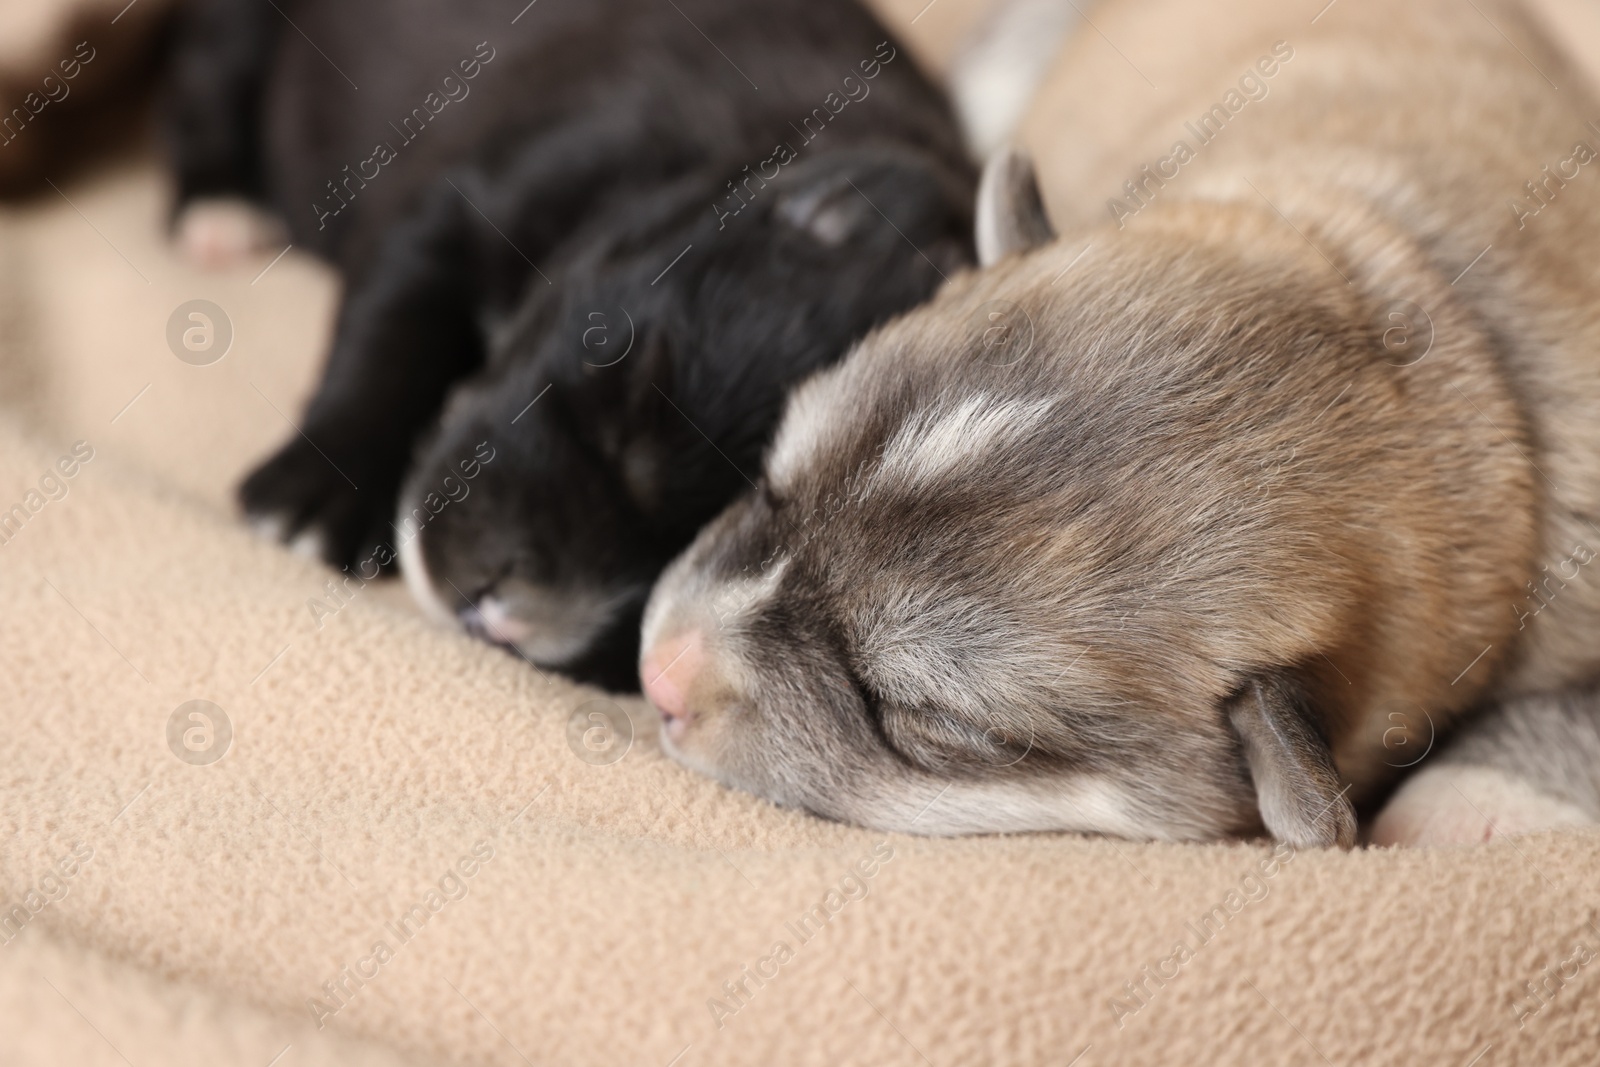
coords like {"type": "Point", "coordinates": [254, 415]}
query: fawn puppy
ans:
{"type": "Point", "coordinates": [1185, 523]}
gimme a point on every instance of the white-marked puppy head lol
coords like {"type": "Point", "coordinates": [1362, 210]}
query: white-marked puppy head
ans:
{"type": "Point", "coordinates": [1085, 584]}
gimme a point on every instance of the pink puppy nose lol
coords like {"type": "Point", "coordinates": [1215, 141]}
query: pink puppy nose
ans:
{"type": "Point", "coordinates": [668, 672]}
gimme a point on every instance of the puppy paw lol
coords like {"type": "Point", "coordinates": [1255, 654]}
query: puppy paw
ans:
{"type": "Point", "coordinates": [320, 510]}
{"type": "Point", "coordinates": [1461, 804]}
{"type": "Point", "coordinates": [221, 232]}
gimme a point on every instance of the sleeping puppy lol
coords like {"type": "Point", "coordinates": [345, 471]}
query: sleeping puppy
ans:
{"type": "Point", "coordinates": [611, 472]}
{"type": "Point", "coordinates": [588, 229]}
{"type": "Point", "coordinates": [1164, 528]}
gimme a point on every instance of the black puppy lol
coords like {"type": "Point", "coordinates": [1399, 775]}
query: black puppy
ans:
{"type": "Point", "coordinates": [620, 230]}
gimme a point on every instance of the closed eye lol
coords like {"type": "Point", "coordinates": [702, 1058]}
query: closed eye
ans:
{"type": "Point", "coordinates": [873, 707]}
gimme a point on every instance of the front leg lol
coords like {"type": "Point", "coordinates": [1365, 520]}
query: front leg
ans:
{"type": "Point", "coordinates": [213, 118]}
{"type": "Point", "coordinates": [407, 332]}
{"type": "Point", "coordinates": [1517, 767]}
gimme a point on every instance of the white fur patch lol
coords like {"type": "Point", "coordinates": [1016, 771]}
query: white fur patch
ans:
{"type": "Point", "coordinates": [939, 442]}
{"type": "Point", "coordinates": [309, 543]}
{"type": "Point", "coordinates": [270, 527]}
{"type": "Point", "coordinates": [1085, 805]}
{"type": "Point", "coordinates": [741, 596]}
{"type": "Point", "coordinates": [810, 419]}
{"type": "Point", "coordinates": [415, 571]}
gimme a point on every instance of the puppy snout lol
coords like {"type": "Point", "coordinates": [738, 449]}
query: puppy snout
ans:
{"type": "Point", "coordinates": [667, 672]}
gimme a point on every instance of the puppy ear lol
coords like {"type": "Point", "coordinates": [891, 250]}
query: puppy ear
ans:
{"type": "Point", "coordinates": [1297, 785]}
{"type": "Point", "coordinates": [1011, 215]}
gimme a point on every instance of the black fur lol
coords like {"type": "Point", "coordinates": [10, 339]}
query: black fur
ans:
{"type": "Point", "coordinates": [593, 144]}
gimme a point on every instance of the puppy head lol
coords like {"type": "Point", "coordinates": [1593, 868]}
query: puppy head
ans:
{"type": "Point", "coordinates": [882, 696]}
{"type": "Point", "coordinates": [1054, 593]}
{"type": "Point", "coordinates": [540, 549]}
{"type": "Point", "coordinates": [630, 401]}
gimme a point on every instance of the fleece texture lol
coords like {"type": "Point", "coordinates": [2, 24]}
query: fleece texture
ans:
{"type": "Point", "coordinates": [382, 843]}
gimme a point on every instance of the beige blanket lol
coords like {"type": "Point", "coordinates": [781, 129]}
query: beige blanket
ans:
{"type": "Point", "coordinates": [379, 842]}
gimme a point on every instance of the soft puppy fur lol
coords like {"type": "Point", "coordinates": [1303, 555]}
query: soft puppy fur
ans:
{"type": "Point", "coordinates": [1180, 525]}
{"type": "Point", "coordinates": [621, 228]}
